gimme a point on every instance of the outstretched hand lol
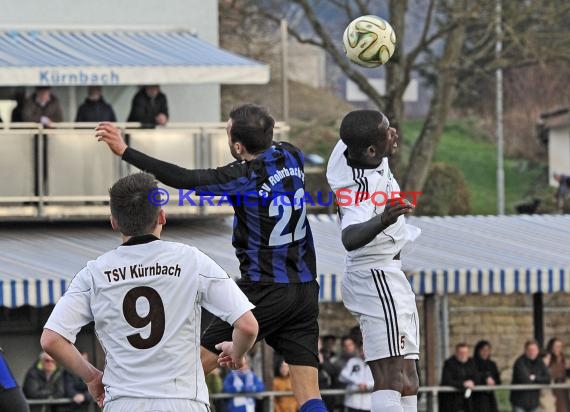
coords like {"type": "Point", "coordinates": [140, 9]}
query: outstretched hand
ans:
{"type": "Point", "coordinates": [396, 208]}
{"type": "Point", "coordinates": [110, 134]}
{"type": "Point", "coordinates": [228, 358]}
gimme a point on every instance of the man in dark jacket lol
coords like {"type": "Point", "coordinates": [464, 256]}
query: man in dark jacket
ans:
{"type": "Point", "coordinates": [44, 380]}
{"type": "Point", "coordinates": [42, 107]}
{"type": "Point", "coordinates": [460, 372]}
{"type": "Point", "coordinates": [528, 368]}
{"type": "Point", "coordinates": [95, 108]}
{"type": "Point", "coordinates": [149, 107]}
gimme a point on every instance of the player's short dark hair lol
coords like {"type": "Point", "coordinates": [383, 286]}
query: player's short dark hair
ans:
{"type": "Point", "coordinates": [461, 345]}
{"type": "Point", "coordinates": [130, 206]}
{"type": "Point", "coordinates": [252, 126]}
{"type": "Point", "coordinates": [360, 129]}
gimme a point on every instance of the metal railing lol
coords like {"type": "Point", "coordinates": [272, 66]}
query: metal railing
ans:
{"type": "Point", "coordinates": [269, 396]}
{"type": "Point", "coordinates": [61, 171]}
{"type": "Point", "coordinates": [431, 391]}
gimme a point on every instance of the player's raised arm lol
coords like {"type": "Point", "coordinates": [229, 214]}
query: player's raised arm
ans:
{"type": "Point", "coordinates": [110, 134]}
{"type": "Point", "coordinates": [222, 180]}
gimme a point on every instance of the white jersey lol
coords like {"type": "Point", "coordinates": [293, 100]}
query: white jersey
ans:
{"type": "Point", "coordinates": [355, 373]}
{"type": "Point", "coordinates": [145, 298]}
{"type": "Point", "coordinates": [379, 184]}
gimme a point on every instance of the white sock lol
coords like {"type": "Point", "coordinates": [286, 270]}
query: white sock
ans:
{"type": "Point", "coordinates": [409, 403]}
{"type": "Point", "coordinates": [386, 401]}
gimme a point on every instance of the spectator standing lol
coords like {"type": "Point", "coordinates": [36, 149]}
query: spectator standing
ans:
{"type": "Point", "coordinates": [282, 383]}
{"type": "Point", "coordinates": [488, 374]}
{"type": "Point", "coordinates": [42, 107]}
{"type": "Point", "coordinates": [356, 375]}
{"type": "Point", "coordinates": [44, 380]}
{"type": "Point", "coordinates": [242, 381]}
{"type": "Point", "coordinates": [528, 368]}
{"type": "Point", "coordinates": [328, 343]}
{"type": "Point", "coordinates": [149, 107]}
{"type": "Point", "coordinates": [558, 370]}
{"type": "Point", "coordinates": [11, 395]}
{"type": "Point", "coordinates": [460, 372]}
{"type": "Point", "coordinates": [95, 108]}
{"type": "Point", "coordinates": [347, 351]}
{"type": "Point", "coordinates": [547, 401]}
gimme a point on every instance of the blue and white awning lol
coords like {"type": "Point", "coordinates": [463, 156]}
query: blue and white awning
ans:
{"type": "Point", "coordinates": [468, 254]}
{"type": "Point", "coordinates": [38, 263]}
{"type": "Point", "coordinates": [455, 255]}
{"type": "Point", "coordinates": [119, 57]}
{"type": "Point", "coordinates": [491, 280]}
{"type": "Point", "coordinates": [34, 292]}
{"type": "Point", "coordinates": [490, 254]}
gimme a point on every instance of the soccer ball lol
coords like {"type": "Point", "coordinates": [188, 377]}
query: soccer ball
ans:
{"type": "Point", "coordinates": [369, 41]}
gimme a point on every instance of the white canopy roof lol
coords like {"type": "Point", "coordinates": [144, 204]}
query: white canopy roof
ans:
{"type": "Point", "coordinates": [119, 57]}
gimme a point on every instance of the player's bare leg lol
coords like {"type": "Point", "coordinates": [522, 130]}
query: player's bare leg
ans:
{"type": "Point", "coordinates": [305, 382]}
{"type": "Point", "coordinates": [411, 386]}
{"type": "Point", "coordinates": [209, 360]}
{"type": "Point", "coordinates": [388, 374]}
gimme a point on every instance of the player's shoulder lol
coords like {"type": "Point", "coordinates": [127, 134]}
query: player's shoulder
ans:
{"type": "Point", "coordinates": [337, 162]}
{"type": "Point", "coordinates": [202, 263]}
{"type": "Point", "coordinates": [122, 252]}
{"type": "Point", "coordinates": [286, 146]}
{"type": "Point", "coordinates": [235, 169]}
{"type": "Point", "coordinates": [291, 150]}
{"type": "Point", "coordinates": [339, 173]}
{"type": "Point", "coordinates": [184, 250]}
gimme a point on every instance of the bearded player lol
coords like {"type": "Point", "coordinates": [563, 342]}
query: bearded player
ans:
{"type": "Point", "coordinates": [272, 239]}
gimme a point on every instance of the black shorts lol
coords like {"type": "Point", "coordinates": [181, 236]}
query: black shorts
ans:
{"type": "Point", "coordinates": [287, 314]}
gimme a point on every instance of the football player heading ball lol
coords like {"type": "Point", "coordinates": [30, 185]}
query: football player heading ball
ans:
{"type": "Point", "coordinates": [272, 239]}
{"type": "Point", "coordinates": [374, 288]}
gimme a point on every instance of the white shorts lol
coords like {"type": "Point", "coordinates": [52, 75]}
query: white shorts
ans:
{"type": "Point", "coordinates": [385, 305]}
{"type": "Point", "coordinates": [125, 404]}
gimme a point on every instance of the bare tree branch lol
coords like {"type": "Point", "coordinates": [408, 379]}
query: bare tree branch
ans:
{"type": "Point", "coordinates": [339, 59]}
{"type": "Point", "coordinates": [345, 7]}
{"type": "Point", "coordinates": [427, 23]}
{"type": "Point", "coordinates": [363, 8]}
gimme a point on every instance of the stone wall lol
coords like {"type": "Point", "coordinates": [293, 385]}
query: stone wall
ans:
{"type": "Point", "coordinates": [506, 322]}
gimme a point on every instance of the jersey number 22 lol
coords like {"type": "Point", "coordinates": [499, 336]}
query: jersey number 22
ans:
{"type": "Point", "coordinates": [277, 237]}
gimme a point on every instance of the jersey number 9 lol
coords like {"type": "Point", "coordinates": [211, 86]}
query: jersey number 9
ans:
{"type": "Point", "coordinates": [155, 316]}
